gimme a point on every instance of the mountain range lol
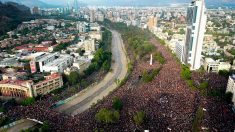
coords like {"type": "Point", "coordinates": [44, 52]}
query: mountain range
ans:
{"type": "Point", "coordinates": [31, 3]}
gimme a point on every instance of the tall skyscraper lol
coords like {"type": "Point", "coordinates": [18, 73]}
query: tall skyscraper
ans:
{"type": "Point", "coordinates": [92, 16]}
{"type": "Point", "coordinates": [75, 4]}
{"type": "Point", "coordinates": [35, 10]}
{"type": "Point", "coordinates": [196, 23]}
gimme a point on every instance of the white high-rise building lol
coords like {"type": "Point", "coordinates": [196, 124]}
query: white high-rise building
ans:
{"type": "Point", "coordinates": [196, 23]}
{"type": "Point", "coordinates": [179, 50]}
{"type": "Point", "coordinates": [231, 87]}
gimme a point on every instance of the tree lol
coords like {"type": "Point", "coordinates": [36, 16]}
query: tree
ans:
{"type": "Point", "coordinates": [45, 127]}
{"type": "Point", "coordinates": [197, 120]}
{"type": "Point", "coordinates": [181, 31]}
{"type": "Point", "coordinates": [228, 97]}
{"type": "Point", "coordinates": [117, 103]}
{"type": "Point", "coordinates": [158, 56]}
{"type": "Point", "coordinates": [186, 73]}
{"type": "Point", "coordinates": [28, 101]}
{"type": "Point", "coordinates": [139, 117]}
{"type": "Point", "coordinates": [203, 85]}
{"type": "Point", "coordinates": [3, 120]}
{"type": "Point", "coordinates": [224, 73]}
{"type": "Point", "coordinates": [73, 78]}
{"type": "Point", "coordinates": [80, 52]}
{"type": "Point", "coordinates": [107, 116]}
{"type": "Point", "coordinates": [106, 66]}
{"type": "Point", "coordinates": [148, 76]}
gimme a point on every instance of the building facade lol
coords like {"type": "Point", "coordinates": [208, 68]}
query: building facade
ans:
{"type": "Point", "coordinates": [179, 51]}
{"type": "Point", "coordinates": [16, 88]}
{"type": "Point", "coordinates": [89, 45]}
{"type": "Point", "coordinates": [22, 89]}
{"type": "Point", "coordinates": [211, 65]}
{"type": "Point", "coordinates": [196, 23]}
{"type": "Point", "coordinates": [152, 22]}
{"type": "Point", "coordinates": [51, 83]}
{"type": "Point", "coordinates": [59, 64]}
{"type": "Point", "coordinates": [231, 87]}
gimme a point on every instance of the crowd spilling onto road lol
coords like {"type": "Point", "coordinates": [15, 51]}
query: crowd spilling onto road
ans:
{"type": "Point", "coordinates": [168, 103]}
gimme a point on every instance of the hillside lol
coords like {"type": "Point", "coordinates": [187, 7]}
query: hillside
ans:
{"type": "Point", "coordinates": [12, 14]}
{"type": "Point", "coordinates": [30, 3]}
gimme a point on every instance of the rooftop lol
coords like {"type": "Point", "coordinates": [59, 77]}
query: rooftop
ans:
{"type": "Point", "coordinates": [47, 56]}
{"type": "Point", "coordinates": [58, 61]}
{"type": "Point", "coordinates": [37, 54]}
{"type": "Point", "coordinates": [16, 82]}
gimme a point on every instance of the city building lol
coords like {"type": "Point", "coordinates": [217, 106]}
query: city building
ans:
{"type": "Point", "coordinates": [89, 45]}
{"type": "Point", "coordinates": [45, 60]}
{"type": "Point", "coordinates": [50, 62]}
{"type": "Point", "coordinates": [100, 17]}
{"type": "Point", "coordinates": [196, 22]}
{"type": "Point", "coordinates": [95, 35]}
{"type": "Point", "coordinates": [92, 16]}
{"type": "Point", "coordinates": [224, 66]}
{"type": "Point", "coordinates": [35, 10]}
{"type": "Point", "coordinates": [152, 22]}
{"type": "Point", "coordinates": [16, 88]}
{"type": "Point", "coordinates": [27, 88]}
{"type": "Point", "coordinates": [211, 65]}
{"type": "Point", "coordinates": [50, 83]}
{"type": "Point", "coordinates": [10, 62]}
{"type": "Point", "coordinates": [231, 87]}
{"type": "Point", "coordinates": [95, 27]}
{"type": "Point", "coordinates": [179, 51]}
{"type": "Point", "coordinates": [59, 64]}
{"type": "Point", "coordinates": [13, 75]}
{"type": "Point", "coordinates": [82, 27]}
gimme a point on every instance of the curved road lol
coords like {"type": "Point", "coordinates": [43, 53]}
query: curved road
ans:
{"type": "Point", "coordinates": [84, 99]}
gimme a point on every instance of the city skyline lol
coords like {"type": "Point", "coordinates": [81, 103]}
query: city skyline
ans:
{"type": "Point", "coordinates": [136, 3]}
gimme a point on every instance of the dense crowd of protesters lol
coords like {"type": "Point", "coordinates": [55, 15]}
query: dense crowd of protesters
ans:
{"type": "Point", "coordinates": [169, 104]}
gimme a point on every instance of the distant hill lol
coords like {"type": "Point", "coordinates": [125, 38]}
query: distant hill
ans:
{"type": "Point", "coordinates": [11, 15]}
{"type": "Point", "coordinates": [30, 3]}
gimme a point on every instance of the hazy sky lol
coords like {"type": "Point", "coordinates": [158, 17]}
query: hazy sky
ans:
{"type": "Point", "coordinates": [146, 2]}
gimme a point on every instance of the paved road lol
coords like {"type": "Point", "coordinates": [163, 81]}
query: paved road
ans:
{"type": "Point", "coordinates": [84, 99]}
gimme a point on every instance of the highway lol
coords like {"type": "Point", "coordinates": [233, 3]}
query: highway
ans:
{"type": "Point", "coordinates": [84, 99]}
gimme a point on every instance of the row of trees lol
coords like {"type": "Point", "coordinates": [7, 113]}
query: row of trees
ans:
{"type": "Point", "coordinates": [148, 76]}
{"type": "Point", "coordinates": [158, 57]}
{"type": "Point", "coordinates": [136, 38]}
{"type": "Point", "coordinates": [101, 61]}
{"type": "Point", "coordinates": [103, 56]}
{"type": "Point", "coordinates": [61, 46]}
{"type": "Point", "coordinates": [137, 41]}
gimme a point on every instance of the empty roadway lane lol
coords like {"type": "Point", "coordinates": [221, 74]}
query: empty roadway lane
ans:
{"type": "Point", "coordinates": [84, 99]}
